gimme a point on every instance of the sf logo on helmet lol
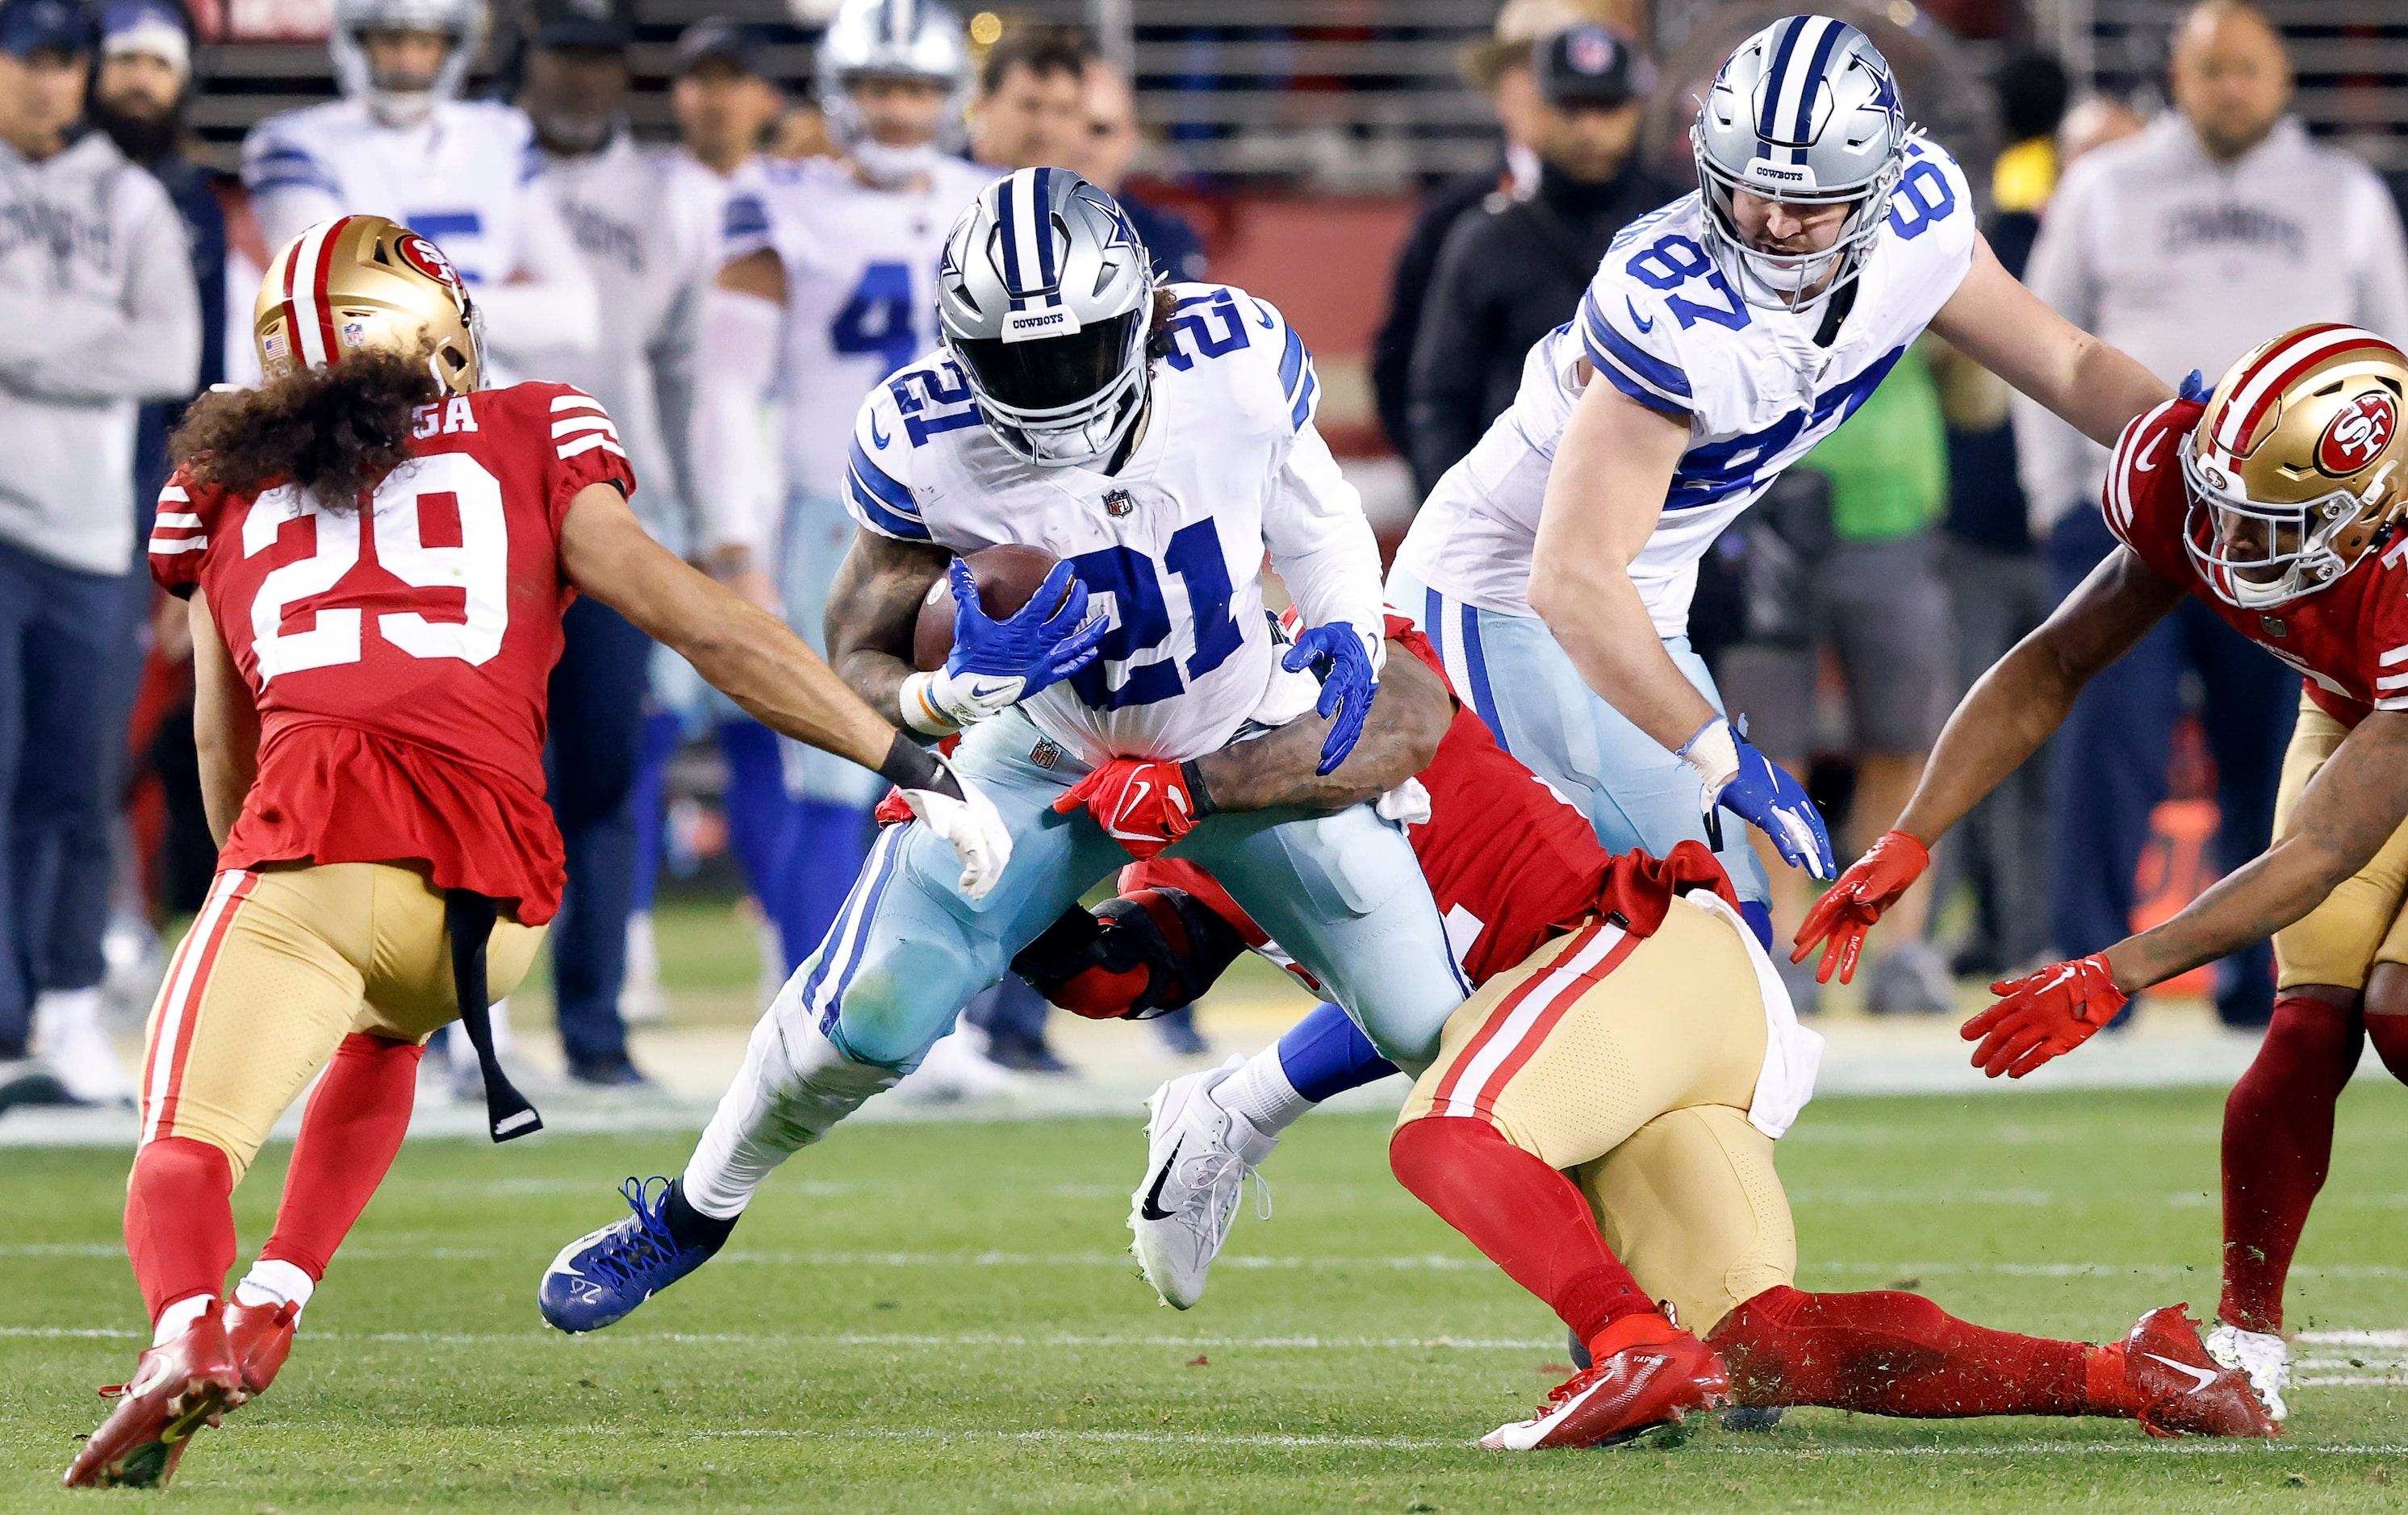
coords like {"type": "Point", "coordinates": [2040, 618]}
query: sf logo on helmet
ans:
{"type": "Point", "coordinates": [427, 259]}
{"type": "Point", "coordinates": [2358, 435]}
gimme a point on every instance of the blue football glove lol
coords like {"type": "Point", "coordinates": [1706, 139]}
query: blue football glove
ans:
{"type": "Point", "coordinates": [1339, 654]}
{"type": "Point", "coordinates": [1737, 776]}
{"type": "Point", "coordinates": [2196, 386]}
{"type": "Point", "coordinates": [995, 665]}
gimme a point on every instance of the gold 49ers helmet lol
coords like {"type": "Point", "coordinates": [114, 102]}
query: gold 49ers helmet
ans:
{"type": "Point", "coordinates": [364, 281]}
{"type": "Point", "coordinates": [2295, 466]}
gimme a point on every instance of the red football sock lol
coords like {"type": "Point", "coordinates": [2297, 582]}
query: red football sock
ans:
{"type": "Point", "coordinates": [1885, 1353]}
{"type": "Point", "coordinates": [349, 1136]}
{"type": "Point", "coordinates": [2278, 1127]}
{"type": "Point", "coordinates": [1530, 1218]}
{"type": "Point", "coordinates": [179, 1220]}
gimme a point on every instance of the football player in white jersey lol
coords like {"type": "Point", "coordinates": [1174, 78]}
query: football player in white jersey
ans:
{"type": "Point", "coordinates": [1733, 329]}
{"type": "Point", "coordinates": [1158, 440]}
{"type": "Point", "coordinates": [826, 286]}
{"type": "Point", "coordinates": [466, 174]}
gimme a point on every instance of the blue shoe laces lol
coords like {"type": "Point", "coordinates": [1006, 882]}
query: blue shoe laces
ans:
{"type": "Point", "coordinates": [629, 1257]}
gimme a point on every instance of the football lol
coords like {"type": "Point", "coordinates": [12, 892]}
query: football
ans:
{"type": "Point", "coordinates": [1006, 576]}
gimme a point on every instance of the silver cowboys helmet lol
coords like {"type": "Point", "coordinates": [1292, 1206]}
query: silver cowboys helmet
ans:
{"type": "Point", "coordinates": [1045, 297]}
{"type": "Point", "coordinates": [1805, 112]}
{"type": "Point", "coordinates": [461, 21]}
{"type": "Point", "coordinates": [891, 39]}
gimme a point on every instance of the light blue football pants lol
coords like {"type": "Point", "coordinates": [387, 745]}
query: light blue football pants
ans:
{"type": "Point", "coordinates": [1512, 671]}
{"type": "Point", "coordinates": [1342, 894]}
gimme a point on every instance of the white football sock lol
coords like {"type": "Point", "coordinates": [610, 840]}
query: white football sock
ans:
{"type": "Point", "coordinates": [778, 1105]}
{"type": "Point", "coordinates": [177, 1316]}
{"type": "Point", "coordinates": [1260, 1091]}
{"type": "Point", "coordinates": [273, 1281]}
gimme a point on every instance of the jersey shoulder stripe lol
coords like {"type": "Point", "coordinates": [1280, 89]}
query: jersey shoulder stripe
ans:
{"type": "Point", "coordinates": [1651, 380]}
{"type": "Point", "coordinates": [1212, 323]}
{"type": "Point", "coordinates": [2146, 447]}
{"type": "Point", "coordinates": [879, 500]}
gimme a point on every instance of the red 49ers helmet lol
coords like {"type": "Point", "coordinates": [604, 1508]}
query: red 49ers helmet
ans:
{"type": "Point", "coordinates": [2295, 466]}
{"type": "Point", "coordinates": [364, 281]}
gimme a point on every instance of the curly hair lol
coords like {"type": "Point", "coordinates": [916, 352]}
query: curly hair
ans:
{"type": "Point", "coordinates": [335, 431]}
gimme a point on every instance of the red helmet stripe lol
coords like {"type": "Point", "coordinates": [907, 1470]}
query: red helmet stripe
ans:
{"type": "Point", "coordinates": [2267, 380]}
{"type": "Point", "coordinates": [319, 299]}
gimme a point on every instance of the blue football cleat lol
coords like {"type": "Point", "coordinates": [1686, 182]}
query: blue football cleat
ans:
{"type": "Point", "coordinates": [599, 1278]}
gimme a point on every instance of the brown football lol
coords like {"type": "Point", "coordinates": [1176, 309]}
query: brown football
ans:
{"type": "Point", "coordinates": [1006, 576]}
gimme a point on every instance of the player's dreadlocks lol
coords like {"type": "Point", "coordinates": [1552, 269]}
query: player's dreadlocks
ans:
{"type": "Point", "coordinates": [335, 431]}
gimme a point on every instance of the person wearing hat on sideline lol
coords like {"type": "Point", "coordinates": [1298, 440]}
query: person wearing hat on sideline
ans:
{"type": "Point", "coordinates": [609, 190]}
{"type": "Point", "coordinates": [1500, 69]}
{"type": "Point", "coordinates": [1513, 270]}
{"type": "Point", "coordinates": [98, 314]}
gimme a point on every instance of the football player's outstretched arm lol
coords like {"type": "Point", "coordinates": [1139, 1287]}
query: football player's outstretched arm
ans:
{"type": "Point", "coordinates": [872, 609]}
{"type": "Point", "coordinates": [2019, 704]}
{"type": "Point", "coordinates": [225, 722]}
{"type": "Point", "coordinates": [2006, 328]}
{"type": "Point", "coordinates": [2352, 806]}
{"type": "Point", "coordinates": [1605, 494]}
{"type": "Point", "coordinates": [1409, 717]}
{"type": "Point", "coordinates": [736, 646]}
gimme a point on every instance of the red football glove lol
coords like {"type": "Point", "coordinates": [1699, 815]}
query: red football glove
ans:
{"type": "Point", "coordinates": [893, 810]}
{"type": "Point", "coordinates": [2044, 1015]}
{"type": "Point", "coordinates": [1144, 805]}
{"type": "Point", "coordinates": [1849, 908]}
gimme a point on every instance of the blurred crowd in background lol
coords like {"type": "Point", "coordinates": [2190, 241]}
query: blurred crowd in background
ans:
{"type": "Point", "coordinates": [2183, 212]}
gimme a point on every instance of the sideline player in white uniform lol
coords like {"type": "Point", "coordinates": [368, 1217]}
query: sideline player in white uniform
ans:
{"type": "Point", "coordinates": [1158, 440]}
{"type": "Point", "coordinates": [826, 286]}
{"type": "Point", "coordinates": [1735, 328]}
{"type": "Point", "coordinates": [466, 174]}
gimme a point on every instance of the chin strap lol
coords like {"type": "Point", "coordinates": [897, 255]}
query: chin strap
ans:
{"type": "Point", "coordinates": [469, 918]}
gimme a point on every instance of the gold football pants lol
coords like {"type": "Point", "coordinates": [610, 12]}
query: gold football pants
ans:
{"type": "Point", "coordinates": [1629, 1065]}
{"type": "Point", "coordinates": [2359, 923]}
{"type": "Point", "coordinates": [280, 964]}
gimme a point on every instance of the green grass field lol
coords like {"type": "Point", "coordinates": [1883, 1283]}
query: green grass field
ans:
{"type": "Point", "coordinates": [939, 1317]}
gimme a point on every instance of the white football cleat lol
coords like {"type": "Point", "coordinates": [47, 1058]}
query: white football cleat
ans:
{"type": "Point", "coordinates": [2261, 1356]}
{"type": "Point", "coordinates": [956, 1067]}
{"type": "Point", "coordinates": [1198, 1157]}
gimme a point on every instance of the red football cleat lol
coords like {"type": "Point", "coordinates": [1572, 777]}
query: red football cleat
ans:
{"type": "Point", "coordinates": [177, 1387]}
{"type": "Point", "coordinates": [262, 1338]}
{"type": "Point", "coordinates": [1648, 1372]}
{"type": "Point", "coordinates": [2181, 1391]}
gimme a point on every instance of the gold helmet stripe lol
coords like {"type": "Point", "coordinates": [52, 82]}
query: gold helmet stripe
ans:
{"type": "Point", "coordinates": [308, 317]}
{"type": "Point", "coordinates": [2274, 373]}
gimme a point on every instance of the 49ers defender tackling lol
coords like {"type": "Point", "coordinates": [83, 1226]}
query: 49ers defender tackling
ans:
{"type": "Point", "coordinates": [376, 553]}
{"type": "Point", "coordinates": [2278, 502]}
{"type": "Point", "coordinates": [1601, 1115]}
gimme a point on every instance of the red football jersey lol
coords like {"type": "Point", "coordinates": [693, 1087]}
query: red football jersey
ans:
{"type": "Point", "coordinates": [1509, 862]}
{"type": "Point", "coordinates": [399, 653]}
{"type": "Point", "coordinates": [2350, 638]}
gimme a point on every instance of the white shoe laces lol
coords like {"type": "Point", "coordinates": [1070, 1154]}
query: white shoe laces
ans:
{"type": "Point", "coordinates": [1208, 1172]}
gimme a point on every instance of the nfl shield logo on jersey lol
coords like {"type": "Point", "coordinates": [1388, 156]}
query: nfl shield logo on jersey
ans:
{"type": "Point", "coordinates": [1118, 503]}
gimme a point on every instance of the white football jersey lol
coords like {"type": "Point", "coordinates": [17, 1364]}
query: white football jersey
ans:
{"type": "Point", "coordinates": [469, 179]}
{"type": "Point", "coordinates": [861, 290]}
{"type": "Point", "coordinates": [1170, 548]}
{"type": "Point", "coordinates": [1661, 325]}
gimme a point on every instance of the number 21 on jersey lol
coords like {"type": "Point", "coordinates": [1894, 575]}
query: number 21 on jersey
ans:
{"type": "Point", "coordinates": [479, 568]}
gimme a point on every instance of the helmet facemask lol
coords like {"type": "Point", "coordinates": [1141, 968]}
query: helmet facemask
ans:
{"type": "Point", "coordinates": [2256, 554]}
{"type": "Point", "coordinates": [1788, 280]}
{"type": "Point", "coordinates": [1062, 400]}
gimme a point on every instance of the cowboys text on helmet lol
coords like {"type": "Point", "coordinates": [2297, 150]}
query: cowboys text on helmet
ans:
{"type": "Point", "coordinates": [364, 281]}
{"type": "Point", "coordinates": [2294, 467]}
{"type": "Point", "coordinates": [1046, 296]}
{"type": "Point", "coordinates": [1805, 113]}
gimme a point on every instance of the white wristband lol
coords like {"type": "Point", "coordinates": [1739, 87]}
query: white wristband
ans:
{"type": "Point", "coordinates": [1712, 753]}
{"type": "Point", "coordinates": [920, 711]}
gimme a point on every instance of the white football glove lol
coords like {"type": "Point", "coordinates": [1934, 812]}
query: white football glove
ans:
{"type": "Point", "coordinates": [972, 824]}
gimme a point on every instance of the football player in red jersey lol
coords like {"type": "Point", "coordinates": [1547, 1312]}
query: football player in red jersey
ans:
{"type": "Point", "coordinates": [376, 551]}
{"type": "Point", "coordinates": [1606, 1153]}
{"type": "Point", "coordinates": [2277, 500]}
